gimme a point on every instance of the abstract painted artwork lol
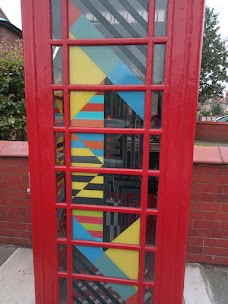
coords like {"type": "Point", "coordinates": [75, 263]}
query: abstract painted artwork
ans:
{"type": "Point", "coordinates": [103, 65]}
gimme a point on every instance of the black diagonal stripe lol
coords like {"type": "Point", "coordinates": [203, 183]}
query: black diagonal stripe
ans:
{"type": "Point", "coordinates": [82, 178]}
{"type": "Point", "coordinates": [104, 22]}
{"type": "Point", "coordinates": [76, 300]}
{"type": "Point", "coordinates": [120, 18]}
{"type": "Point", "coordinates": [81, 292]}
{"type": "Point", "coordinates": [134, 14]}
{"type": "Point", "coordinates": [144, 4]}
{"type": "Point", "coordinates": [129, 58]}
{"type": "Point", "coordinates": [94, 187]}
{"type": "Point", "coordinates": [75, 192]}
{"type": "Point", "coordinates": [60, 157]}
{"type": "Point", "coordinates": [60, 177]}
{"type": "Point", "coordinates": [88, 200]}
{"type": "Point", "coordinates": [85, 159]}
{"type": "Point", "coordinates": [60, 144]}
{"type": "Point", "coordinates": [93, 291]}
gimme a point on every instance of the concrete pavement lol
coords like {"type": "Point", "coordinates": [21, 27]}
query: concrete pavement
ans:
{"type": "Point", "coordinates": [16, 278]}
{"type": "Point", "coordinates": [204, 284]}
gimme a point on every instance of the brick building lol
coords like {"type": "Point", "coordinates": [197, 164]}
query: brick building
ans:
{"type": "Point", "coordinates": [9, 33]}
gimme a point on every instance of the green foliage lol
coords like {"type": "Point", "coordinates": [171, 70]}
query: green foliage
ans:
{"type": "Point", "coordinates": [214, 59]}
{"type": "Point", "coordinates": [12, 93]}
{"type": "Point", "coordinates": [205, 112]}
{"type": "Point", "coordinates": [217, 109]}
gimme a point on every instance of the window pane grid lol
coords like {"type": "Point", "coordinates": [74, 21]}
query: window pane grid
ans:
{"type": "Point", "coordinates": [149, 40]}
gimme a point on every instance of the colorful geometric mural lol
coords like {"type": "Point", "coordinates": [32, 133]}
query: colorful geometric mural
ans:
{"type": "Point", "coordinates": [104, 65]}
{"type": "Point", "coordinates": [113, 19]}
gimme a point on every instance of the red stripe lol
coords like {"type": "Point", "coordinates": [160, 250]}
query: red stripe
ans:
{"type": "Point", "coordinates": [59, 187]}
{"type": "Point", "coordinates": [74, 14]}
{"type": "Point", "coordinates": [94, 144]}
{"type": "Point", "coordinates": [84, 123]}
{"type": "Point", "coordinates": [89, 219]}
{"type": "Point", "coordinates": [74, 136]}
{"type": "Point", "coordinates": [97, 234]}
{"type": "Point", "coordinates": [96, 107]}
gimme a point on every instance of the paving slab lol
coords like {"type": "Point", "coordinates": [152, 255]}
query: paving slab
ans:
{"type": "Point", "coordinates": [5, 252]}
{"type": "Point", "coordinates": [196, 291]}
{"type": "Point", "coordinates": [204, 284]}
{"type": "Point", "coordinates": [16, 278]}
{"type": "Point", "coordinates": [218, 280]}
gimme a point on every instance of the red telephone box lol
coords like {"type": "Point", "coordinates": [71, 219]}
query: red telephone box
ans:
{"type": "Point", "coordinates": [111, 91]}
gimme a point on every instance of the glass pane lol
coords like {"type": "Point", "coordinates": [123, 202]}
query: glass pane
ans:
{"type": "Point", "coordinates": [60, 149]}
{"type": "Point", "coordinates": [160, 18]}
{"type": "Point", "coordinates": [107, 109]}
{"type": "Point", "coordinates": [58, 108]}
{"type": "Point", "coordinates": [105, 226]}
{"type": "Point", "coordinates": [153, 183]}
{"type": "Point", "coordinates": [106, 150]}
{"type": "Point", "coordinates": [154, 157]}
{"type": "Point", "coordinates": [57, 57]}
{"type": "Point", "coordinates": [110, 189]}
{"type": "Point", "coordinates": [85, 292]}
{"type": "Point", "coordinates": [116, 263]}
{"type": "Point", "coordinates": [156, 110]}
{"type": "Point", "coordinates": [149, 266]}
{"type": "Point", "coordinates": [119, 65]}
{"type": "Point", "coordinates": [158, 63]}
{"type": "Point", "coordinates": [60, 187]}
{"type": "Point", "coordinates": [63, 298]}
{"type": "Point", "coordinates": [151, 225]}
{"type": "Point", "coordinates": [108, 19]}
{"type": "Point", "coordinates": [148, 295]}
{"type": "Point", "coordinates": [62, 257]}
{"type": "Point", "coordinates": [56, 12]}
{"type": "Point", "coordinates": [61, 222]}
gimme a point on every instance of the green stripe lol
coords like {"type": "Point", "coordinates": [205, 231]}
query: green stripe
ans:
{"type": "Point", "coordinates": [93, 227]}
{"type": "Point", "coordinates": [88, 213]}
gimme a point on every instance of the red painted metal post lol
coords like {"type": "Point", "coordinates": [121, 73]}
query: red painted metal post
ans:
{"type": "Point", "coordinates": [184, 46]}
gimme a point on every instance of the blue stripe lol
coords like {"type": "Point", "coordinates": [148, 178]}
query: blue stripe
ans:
{"type": "Point", "coordinates": [98, 152]}
{"type": "Point", "coordinates": [97, 99]}
{"type": "Point", "coordinates": [91, 137]}
{"type": "Point", "coordinates": [80, 233]}
{"type": "Point", "coordinates": [77, 144]}
{"type": "Point", "coordinates": [90, 115]}
{"type": "Point", "coordinates": [107, 267]}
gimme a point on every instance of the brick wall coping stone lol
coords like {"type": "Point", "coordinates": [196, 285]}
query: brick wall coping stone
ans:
{"type": "Point", "coordinates": [215, 155]}
{"type": "Point", "coordinates": [202, 154]}
{"type": "Point", "coordinates": [13, 148]}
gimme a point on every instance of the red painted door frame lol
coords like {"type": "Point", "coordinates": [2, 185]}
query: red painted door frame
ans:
{"type": "Point", "coordinates": [183, 51]}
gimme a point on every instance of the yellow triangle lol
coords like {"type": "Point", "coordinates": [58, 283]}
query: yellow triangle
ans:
{"type": "Point", "coordinates": [78, 100]}
{"type": "Point", "coordinates": [83, 70]}
{"type": "Point", "coordinates": [129, 235]}
{"type": "Point", "coordinates": [127, 260]}
{"type": "Point", "coordinates": [97, 180]}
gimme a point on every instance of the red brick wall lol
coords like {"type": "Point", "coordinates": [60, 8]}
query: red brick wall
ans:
{"type": "Point", "coordinates": [208, 225]}
{"type": "Point", "coordinates": [7, 35]}
{"type": "Point", "coordinates": [211, 131]}
{"type": "Point", "coordinates": [15, 214]}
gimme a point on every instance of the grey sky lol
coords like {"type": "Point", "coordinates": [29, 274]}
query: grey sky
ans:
{"type": "Point", "coordinates": [13, 10]}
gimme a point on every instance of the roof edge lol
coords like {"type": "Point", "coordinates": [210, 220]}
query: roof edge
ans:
{"type": "Point", "coordinates": [11, 27]}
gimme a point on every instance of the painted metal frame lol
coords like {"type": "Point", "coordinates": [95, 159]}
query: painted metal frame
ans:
{"type": "Point", "coordinates": [183, 48]}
